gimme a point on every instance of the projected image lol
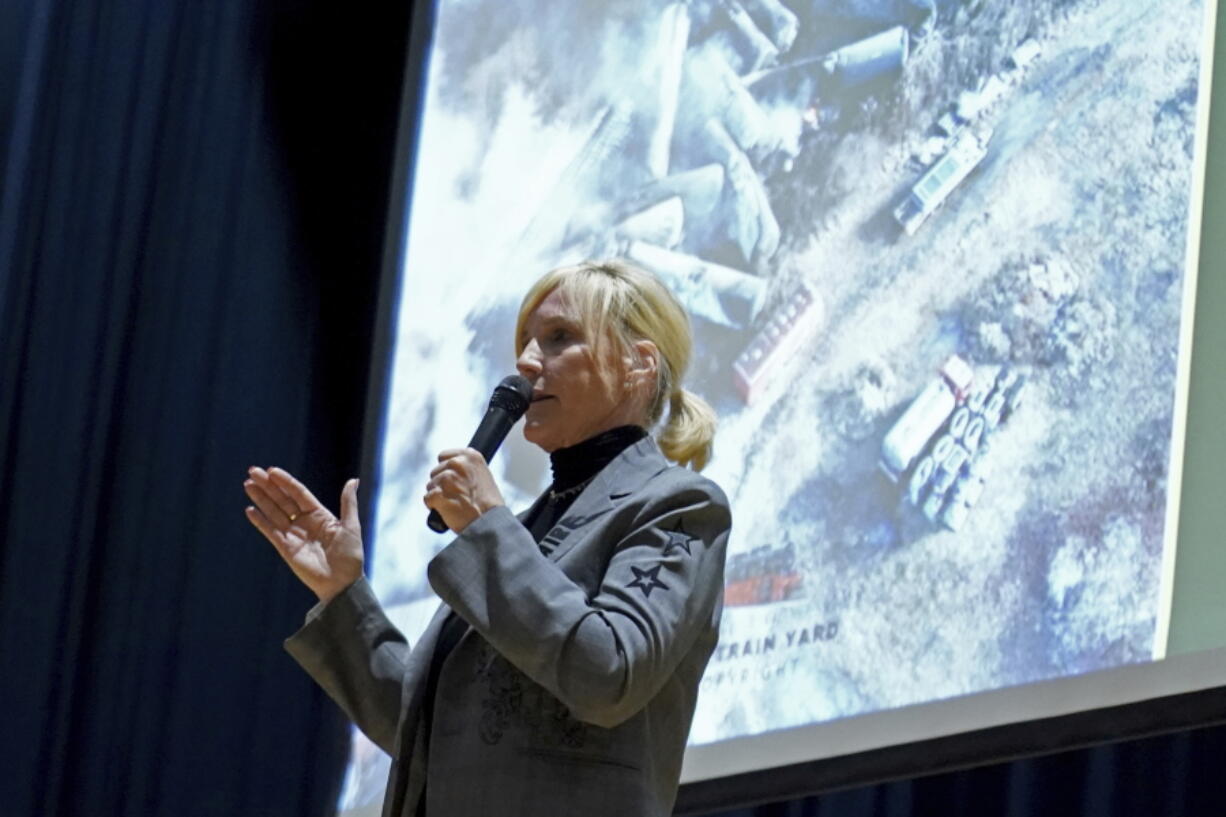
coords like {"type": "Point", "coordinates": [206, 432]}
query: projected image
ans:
{"type": "Point", "coordinates": [934, 251]}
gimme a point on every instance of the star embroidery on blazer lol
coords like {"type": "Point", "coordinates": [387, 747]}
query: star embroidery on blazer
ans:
{"type": "Point", "coordinates": [678, 538]}
{"type": "Point", "coordinates": [652, 577]}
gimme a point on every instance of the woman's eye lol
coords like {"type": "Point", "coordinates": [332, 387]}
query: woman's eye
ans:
{"type": "Point", "coordinates": [559, 335]}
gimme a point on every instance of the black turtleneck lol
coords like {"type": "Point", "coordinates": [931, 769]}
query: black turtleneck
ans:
{"type": "Point", "coordinates": [576, 466]}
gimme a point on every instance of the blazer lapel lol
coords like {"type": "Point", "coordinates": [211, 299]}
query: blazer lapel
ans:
{"type": "Point", "coordinates": [533, 509]}
{"type": "Point", "coordinates": [616, 481]}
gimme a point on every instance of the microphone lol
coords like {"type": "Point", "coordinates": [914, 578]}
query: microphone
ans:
{"type": "Point", "coordinates": [507, 404]}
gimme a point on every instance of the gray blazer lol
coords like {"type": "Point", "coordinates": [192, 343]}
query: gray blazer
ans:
{"type": "Point", "coordinates": [573, 689]}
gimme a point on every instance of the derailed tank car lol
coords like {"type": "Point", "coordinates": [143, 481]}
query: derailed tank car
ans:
{"type": "Point", "coordinates": [937, 450]}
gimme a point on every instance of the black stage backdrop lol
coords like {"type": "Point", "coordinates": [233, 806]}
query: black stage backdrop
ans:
{"type": "Point", "coordinates": [191, 230]}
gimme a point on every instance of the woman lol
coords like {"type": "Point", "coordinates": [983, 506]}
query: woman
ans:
{"type": "Point", "coordinates": [560, 675]}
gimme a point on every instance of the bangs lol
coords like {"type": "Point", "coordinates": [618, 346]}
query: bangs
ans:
{"type": "Point", "coordinates": [596, 301]}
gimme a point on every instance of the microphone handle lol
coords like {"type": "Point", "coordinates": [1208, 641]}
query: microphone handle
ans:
{"type": "Point", "coordinates": [435, 522]}
{"type": "Point", "coordinates": [488, 436]}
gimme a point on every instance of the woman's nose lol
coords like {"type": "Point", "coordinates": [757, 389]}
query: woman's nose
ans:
{"type": "Point", "coordinates": [529, 362]}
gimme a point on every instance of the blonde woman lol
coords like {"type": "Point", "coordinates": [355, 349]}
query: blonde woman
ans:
{"type": "Point", "coordinates": [561, 672]}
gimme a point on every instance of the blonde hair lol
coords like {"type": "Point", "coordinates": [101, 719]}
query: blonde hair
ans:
{"type": "Point", "coordinates": [619, 304]}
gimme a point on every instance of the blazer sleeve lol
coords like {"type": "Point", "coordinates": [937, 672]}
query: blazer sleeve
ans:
{"type": "Point", "coordinates": [605, 656]}
{"type": "Point", "coordinates": [358, 656]}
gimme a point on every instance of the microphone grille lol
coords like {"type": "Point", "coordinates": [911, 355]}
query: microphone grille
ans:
{"type": "Point", "coordinates": [513, 394]}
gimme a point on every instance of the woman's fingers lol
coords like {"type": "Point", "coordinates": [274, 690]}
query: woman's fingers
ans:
{"type": "Point", "coordinates": [271, 511]}
{"type": "Point", "coordinates": [349, 506]}
{"type": "Point", "coordinates": [464, 461]}
{"type": "Point", "coordinates": [267, 528]}
{"type": "Point", "coordinates": [455, 475]}
{"type": "Point", "coordinates": [448, 480]}
{"type": "Point", "coordinates": [297, 493]}
{"type": "Point", "coordinates": [458, 457]}
{"type": "Point", "coordinates": [275, 493]}
{"type": "Point", "coordinates": [451, 464]}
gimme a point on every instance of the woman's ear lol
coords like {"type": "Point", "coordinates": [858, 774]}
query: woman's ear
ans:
{"type": "Point", "coordinates": [645, 364]}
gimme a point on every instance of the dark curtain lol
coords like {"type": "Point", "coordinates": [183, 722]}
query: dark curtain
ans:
{"type": "Point", "coordinates": [191, 231]}
{"type": "Point", "coordinates": [192, 221]}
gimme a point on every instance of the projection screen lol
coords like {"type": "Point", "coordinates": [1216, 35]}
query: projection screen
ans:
{"type": "Point", "coordinates": [940, 257]}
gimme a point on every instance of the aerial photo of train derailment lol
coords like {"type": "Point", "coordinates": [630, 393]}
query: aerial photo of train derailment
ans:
{"type": "Point", "coordinates": [934, 251]}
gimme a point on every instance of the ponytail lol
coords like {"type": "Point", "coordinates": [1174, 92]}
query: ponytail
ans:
{"type": "Point", "coordinates": [687, 436]}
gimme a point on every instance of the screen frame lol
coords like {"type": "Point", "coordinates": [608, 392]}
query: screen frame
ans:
{"type": "Point", "coordinates": [965, 750]}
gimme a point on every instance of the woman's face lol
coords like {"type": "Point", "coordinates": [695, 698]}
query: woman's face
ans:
{"type": "Point", "coordinates": [571, 400]}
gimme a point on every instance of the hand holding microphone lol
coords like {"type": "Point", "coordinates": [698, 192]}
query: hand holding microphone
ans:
{"type": "Point", "coordinates": [461, 487]}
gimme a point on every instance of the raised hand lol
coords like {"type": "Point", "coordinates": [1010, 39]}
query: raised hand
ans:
{"type": "Point", "coordinates": [324, 551]}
